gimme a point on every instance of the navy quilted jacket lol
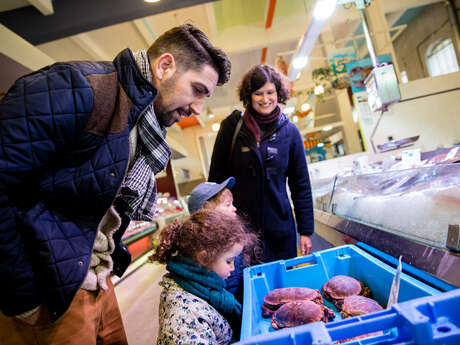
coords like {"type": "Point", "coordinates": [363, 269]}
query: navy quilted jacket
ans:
{"type": "Point", "coordinates": [64, 149]}
{"type": "Point", "coordinates": [260, 191]}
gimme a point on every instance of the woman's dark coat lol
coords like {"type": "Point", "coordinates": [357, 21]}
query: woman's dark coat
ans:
{"type": "Point", "coordinates": [260, 191]}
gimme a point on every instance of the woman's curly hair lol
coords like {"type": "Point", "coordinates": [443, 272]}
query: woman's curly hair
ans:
{"type": "Point", "coordinates": [256, 77]}
{"type": "Point", "coordinates": [209, 230]}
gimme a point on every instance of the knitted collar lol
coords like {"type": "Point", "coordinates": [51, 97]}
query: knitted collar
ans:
{"type": "Point", "coordinates": [196, 279]}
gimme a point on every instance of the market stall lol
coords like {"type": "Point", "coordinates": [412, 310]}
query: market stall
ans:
{"type": "Point", "coordinates": [372, 210]}
{"type": "Point", "coordinates": [412, 212]}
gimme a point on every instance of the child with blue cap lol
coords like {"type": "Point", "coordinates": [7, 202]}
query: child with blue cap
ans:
{"type": "Point", "coordinates": [217, 196]}
{"type": "Point", "coordinates": [213, 196]}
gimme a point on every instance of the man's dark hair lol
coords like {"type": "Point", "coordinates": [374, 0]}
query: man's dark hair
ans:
{"type": "Point", "coordinates": [191, 49]}
{"type": "Point", "coordinates": [256, 77]}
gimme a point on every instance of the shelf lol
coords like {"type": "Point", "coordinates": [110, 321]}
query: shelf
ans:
{"type": "Point", "coordinates": [135, 237]}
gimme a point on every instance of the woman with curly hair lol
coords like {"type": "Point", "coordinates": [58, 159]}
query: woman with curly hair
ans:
{"type": "Point", "coordinates": [199, 253]}
{"type": "Point", "coordinates": [262, 149]}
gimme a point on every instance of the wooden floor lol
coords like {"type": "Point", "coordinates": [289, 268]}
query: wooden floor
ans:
{"type": "Point", "coordinates": [138, 297]}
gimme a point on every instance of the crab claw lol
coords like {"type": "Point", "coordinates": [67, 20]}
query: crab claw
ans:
{"type": "Point", "coordinates": [267, 312]}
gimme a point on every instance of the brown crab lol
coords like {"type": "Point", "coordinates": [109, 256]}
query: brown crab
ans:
{"type": "Point", "coordinates": [276, 298]}
{"type": "Point", "coordinates": [358, 305]}
{"type": "Point", "coordinates": [340, 286]}
{"type": "Point", "coordinates": [300, 312]}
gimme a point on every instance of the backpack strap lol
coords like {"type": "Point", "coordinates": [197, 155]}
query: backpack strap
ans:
{"type": "Point", "coordinates": [235, 134]}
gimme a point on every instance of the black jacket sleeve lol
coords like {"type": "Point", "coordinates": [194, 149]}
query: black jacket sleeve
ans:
{"type": "Point", "coordinates": [299, 185]}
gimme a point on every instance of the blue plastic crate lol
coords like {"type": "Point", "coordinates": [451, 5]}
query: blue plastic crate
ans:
{"type": "Point", "coordinates": [314, 271]}
{"type": "Point", "coordinates": [431, 320]}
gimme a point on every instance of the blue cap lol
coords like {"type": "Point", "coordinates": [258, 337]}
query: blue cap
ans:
{"type": "Point", "coordinates": [205, 191]}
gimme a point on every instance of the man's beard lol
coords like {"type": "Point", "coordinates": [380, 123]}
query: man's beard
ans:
{"type": "Point", "coordinates": [164, 117]}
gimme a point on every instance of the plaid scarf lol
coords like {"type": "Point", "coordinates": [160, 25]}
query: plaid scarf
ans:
{"type": "Point", "coordinates": [138, 189]}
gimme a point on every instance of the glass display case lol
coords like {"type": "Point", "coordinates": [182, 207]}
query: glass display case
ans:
{"type": "Point", "coordinates": [138, 236]}
{"type": "Point", "coordinates": [418, 204]}
{"type": "Point", "coordinates": [169, 209]}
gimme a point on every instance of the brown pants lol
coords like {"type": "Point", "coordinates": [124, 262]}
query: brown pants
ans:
{"type": "Point", "coordinates": [92, 318]}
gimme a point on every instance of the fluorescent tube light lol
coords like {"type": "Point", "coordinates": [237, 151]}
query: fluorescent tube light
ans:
{"type": "Point", "coordinates": [300, 62]}
{"type": "Point", "coordinates": [324, 9]}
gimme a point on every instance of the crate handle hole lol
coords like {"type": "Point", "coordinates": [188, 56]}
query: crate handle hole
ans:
{"type": "Point", "coordinates": [444, 329]}
{"type": "Point", "coordinates": [259, 273]}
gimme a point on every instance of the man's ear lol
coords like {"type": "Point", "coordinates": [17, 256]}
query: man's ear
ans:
{"type": "Point", "coordinates": [201, 258]}
{"type": "Point", "coordinates": [164, 66]}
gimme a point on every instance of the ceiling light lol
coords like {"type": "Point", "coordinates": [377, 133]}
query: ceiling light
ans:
{"type": "Point", "coordinates": [327, 128]}
{"type": "Point", "coordinates": [295, 119]}
{"type": "Point", "coordinates": [305, 107]}
{"type": "Point", "coordinates": [319, 90]}
{"type": "Point", "coordinates": [300, 62]}
{"type": "Point", "coordinates": [215, 127]}
{"type": "Point", "coordinates": [289, 110]}
{"type": "Point", "coordinates": [324, 9]}
{"type": "Point", "coordinates": [320, 145]}
{"type": "Point", "coordinates": [211, 115]}
{"type": "Point", "coordinates": [152, 1]}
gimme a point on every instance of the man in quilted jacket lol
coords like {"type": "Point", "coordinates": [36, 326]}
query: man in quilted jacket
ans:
{"type": "Point", "coordinates": [80, 144]}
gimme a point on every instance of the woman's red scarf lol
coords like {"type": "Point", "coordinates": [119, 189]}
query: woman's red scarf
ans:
{"type": "Point", "coordinates": [252, 119]}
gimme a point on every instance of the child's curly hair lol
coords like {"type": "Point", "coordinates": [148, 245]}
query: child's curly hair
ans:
{"type": "Point", "coordinates": [208, 230]}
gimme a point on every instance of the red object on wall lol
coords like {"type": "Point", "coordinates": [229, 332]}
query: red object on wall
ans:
{"type": "Point", "coordinates": [140, 246]}
{"type": "Point", "coordinates": [282, 65]}
{"type": "Point", "coordinates": [305, 113]}
{"type": "Point", "coordinates": [166, 184]}
{"type": "Point", "coordinates": [264, 55]}
{"type": "Point", "coordinates": [188, 121]}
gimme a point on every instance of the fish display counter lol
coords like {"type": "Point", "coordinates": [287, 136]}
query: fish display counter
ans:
{"type": "Point", "coordinates": [391, 272]}
{"type": "Point", "coordinates": [409, 212]}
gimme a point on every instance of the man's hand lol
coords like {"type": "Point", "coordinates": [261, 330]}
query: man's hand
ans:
{"type": "Point", "coordinates": [305, 244]}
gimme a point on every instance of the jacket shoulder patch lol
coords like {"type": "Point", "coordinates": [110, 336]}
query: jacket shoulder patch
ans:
{"type": "Point", "coordinates": [111, 105]}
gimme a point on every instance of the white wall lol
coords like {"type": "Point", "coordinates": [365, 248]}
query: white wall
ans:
{"type": "Point", "coordinates": [411, 46]}
{"type": "Point", "coordinates": [188, 139]}
{"type": "Point", "coordinates": [435, 118]}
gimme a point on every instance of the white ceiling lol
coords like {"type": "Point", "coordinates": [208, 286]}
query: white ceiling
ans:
{"type": "Point", "coordinates": [243, 43]}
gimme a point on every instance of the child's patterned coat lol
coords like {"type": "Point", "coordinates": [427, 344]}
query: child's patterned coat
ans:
{"type": "Point", "coordinates": [188, 319]}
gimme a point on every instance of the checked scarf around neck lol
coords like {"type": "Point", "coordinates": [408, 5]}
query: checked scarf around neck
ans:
{"type": "Point", "coordinates": [196, 279]}
{"type": "Point", "coordinates": [138, 190]}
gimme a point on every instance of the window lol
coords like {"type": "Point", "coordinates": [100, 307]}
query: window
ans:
{"type": "Point", "coordinates": [441, 58]}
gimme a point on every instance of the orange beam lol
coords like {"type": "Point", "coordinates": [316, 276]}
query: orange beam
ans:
{"type": "Point", "coordinates": [270, 14]}
{"type": "Point", "coordinates": [264, 55]}
{"type": "Point", "coordinates": [268, 25]}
